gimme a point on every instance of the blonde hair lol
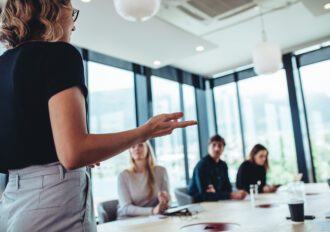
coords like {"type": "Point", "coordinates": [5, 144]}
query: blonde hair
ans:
{"type": "Point", "coordinates": [150, 167]}
{"type": "Point", "coordinates": [25, 20]}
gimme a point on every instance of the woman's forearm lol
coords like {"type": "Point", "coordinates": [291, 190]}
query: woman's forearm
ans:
{"type": "Point", "coordinates": [93, 148]}
{"type": "Point", "coordinates": [76, 148]}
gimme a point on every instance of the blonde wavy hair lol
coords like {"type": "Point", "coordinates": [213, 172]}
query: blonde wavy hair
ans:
{"type": "Point", "coordinates": [150, 168]}
{"type": "Point", "coordinates": [25, 20]}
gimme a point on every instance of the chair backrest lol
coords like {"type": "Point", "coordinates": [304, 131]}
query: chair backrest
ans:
{"type": "Point", "coordinates": [183, 197]}
{"type": "Point", "coordinates": [107, 211]}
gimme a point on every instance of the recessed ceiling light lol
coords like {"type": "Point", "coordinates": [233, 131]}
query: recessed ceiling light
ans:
{"type": "Point", "coordinates": [199, 48]}
{"type": "Point", "coordinates": [327, 6]}
{"type": "Point", "coordinates": [157, 62]}
{"type": "Point", "coordinates": [86, 1]}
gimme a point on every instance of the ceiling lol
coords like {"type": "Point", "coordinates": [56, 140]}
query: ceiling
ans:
{"type": "Point", "coordinates": [171, 37]}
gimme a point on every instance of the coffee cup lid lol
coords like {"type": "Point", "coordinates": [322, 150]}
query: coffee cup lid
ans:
{"type": "Point", "coordinates": [296, 202]}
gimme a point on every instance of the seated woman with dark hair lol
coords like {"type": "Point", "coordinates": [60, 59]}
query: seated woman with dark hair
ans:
{"type": "Point", "coordinates": [254, 171]}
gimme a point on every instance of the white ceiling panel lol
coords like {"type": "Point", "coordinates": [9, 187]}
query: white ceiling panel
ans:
{"type": "Point", "coordinates": [101, 29]}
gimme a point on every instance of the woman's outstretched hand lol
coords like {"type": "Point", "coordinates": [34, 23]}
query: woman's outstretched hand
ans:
{"type": "Point", "coordinates": [164, 124]}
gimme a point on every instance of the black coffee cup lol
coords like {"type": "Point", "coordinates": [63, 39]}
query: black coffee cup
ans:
{"type": "Point", "coordinates": [297, 211]}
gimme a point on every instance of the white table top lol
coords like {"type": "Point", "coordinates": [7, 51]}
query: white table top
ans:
{"type": "Point", "coordinates": [249, 217]}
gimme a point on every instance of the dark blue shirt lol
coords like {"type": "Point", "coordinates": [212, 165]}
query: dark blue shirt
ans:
{"type": "Point", "coordinates": [208, 172]}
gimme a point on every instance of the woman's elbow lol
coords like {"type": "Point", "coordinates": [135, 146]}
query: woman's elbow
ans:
{"type": "Point", "coordinates": [71, 159]}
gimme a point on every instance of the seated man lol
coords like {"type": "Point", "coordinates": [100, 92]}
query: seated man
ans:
{"type": "Point", "coordinates": [210, 180]}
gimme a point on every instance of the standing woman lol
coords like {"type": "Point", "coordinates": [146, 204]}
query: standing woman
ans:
{"type": "Point", "coordinates": [44, 143]}
{"type": "Point", "coordinates": [143, 188]}
{"type": "Point", "coordinates": [254, 170]}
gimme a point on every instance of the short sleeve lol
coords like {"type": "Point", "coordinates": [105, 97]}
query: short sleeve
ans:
{"type": "Point", "coordinates": [63, 69]}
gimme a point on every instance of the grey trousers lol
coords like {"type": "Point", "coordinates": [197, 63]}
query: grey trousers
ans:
{"type": "Point", "coordinates": [47, 198]}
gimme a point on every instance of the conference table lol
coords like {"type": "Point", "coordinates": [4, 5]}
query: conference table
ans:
{"type": "Point", "coordinates": [249, 217]}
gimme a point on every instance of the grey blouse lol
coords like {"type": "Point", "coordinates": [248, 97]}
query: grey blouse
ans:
{"type": "Point", "coordinates": [133, 192]}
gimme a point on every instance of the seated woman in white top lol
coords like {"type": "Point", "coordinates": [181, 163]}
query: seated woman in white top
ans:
{"type": "Point", "coordinates": [142, 189]}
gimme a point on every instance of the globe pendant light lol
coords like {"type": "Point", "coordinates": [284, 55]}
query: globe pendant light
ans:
{"type": "Point", "coordinates": [267, 56]}
{"type": "Point", "coordinates": [137, 10]}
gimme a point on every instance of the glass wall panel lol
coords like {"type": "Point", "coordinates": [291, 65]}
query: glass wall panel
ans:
{"type": "Point", "coordinates": [191, 132]}
{"type": "Point", "coordinates": [111, 109]}
{"type": "Point", "coordinates": [316, 88]}
{"type": "Point", "coordinates": [267, 120]}
{"type": "Point", "coordinates": [228, 124]}
{"type": "Point", "coordinates": [169, 149]}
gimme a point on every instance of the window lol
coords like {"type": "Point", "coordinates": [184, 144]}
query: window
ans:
{"type": "Point", "coordinates": [228, 126]}
{"type": "Point", "coordinates": [111, 109]}
{"type": "Point", "coordinates": [316, 83]}
{"type": "Point", "coordinates": [169, 149]}
{"type": "Point", "coordinates": [267, 120]}
{"type": "Point", "coordinates": [191, 132]}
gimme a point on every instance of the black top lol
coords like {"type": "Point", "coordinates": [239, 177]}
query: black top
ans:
{"type": "Point", "coordinates": [30, 75]}
{"type": "Point", "coordinates": [208, 172]}
{"type": "Point", "coordinates": [249, 173]}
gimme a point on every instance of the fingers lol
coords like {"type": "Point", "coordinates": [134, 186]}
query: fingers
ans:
{"type": "Point", "coordinates": [169, 128]}
{"type": "Point", "coordinates": [175, 124]}
{"type": "Point", "coordinates": [174, 119]}
{"type": "Point", "coordinates": [184, 124]}
{"type": "Point", "coordinates": [161, 194]}
{"type": "Point", "coordinates": [163, 132]}
{"type": "Point", "coordinates": [173, 116]}
{"type": "Point", "coordinates": [163, 198]}
{"type": "Point", "coordinates": [164, 124]}
{"type": "Point", "coordinates": [171, 125]}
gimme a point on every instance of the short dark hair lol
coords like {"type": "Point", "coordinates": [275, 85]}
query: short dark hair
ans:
{"type": "Point", "coordinates": [217, 138]}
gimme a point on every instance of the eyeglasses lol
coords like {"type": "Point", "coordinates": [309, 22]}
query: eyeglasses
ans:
{"type": "Point", "coordinates": [75, 14]}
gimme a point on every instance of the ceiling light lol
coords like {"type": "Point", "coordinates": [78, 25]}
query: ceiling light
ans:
{"type": "Point", "coordinates": [86, 1]}
{"type": "Point", "coordinates": [266, 56]}
{"type": "Point", "coordinates": [327, 6]}
{"type": "Point", "coordinates": [199, 48]}
{"type": "Point", "coordinates": [137, 10]}
{"type": "Point", "coordinates": [157, 62]}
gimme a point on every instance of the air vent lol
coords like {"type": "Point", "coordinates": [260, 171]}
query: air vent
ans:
{"type": "Point", "coordinates": [190, 13]}
{"type": "Point", "coordinates": [237, 11]}
{"type": "Point", "coordinates": [215, 8]}
{"type": "Point", "coordinates": [203, 16]}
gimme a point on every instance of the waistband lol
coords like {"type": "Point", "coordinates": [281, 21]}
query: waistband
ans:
{"type": "Point", "coordinates": [40, 170]}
